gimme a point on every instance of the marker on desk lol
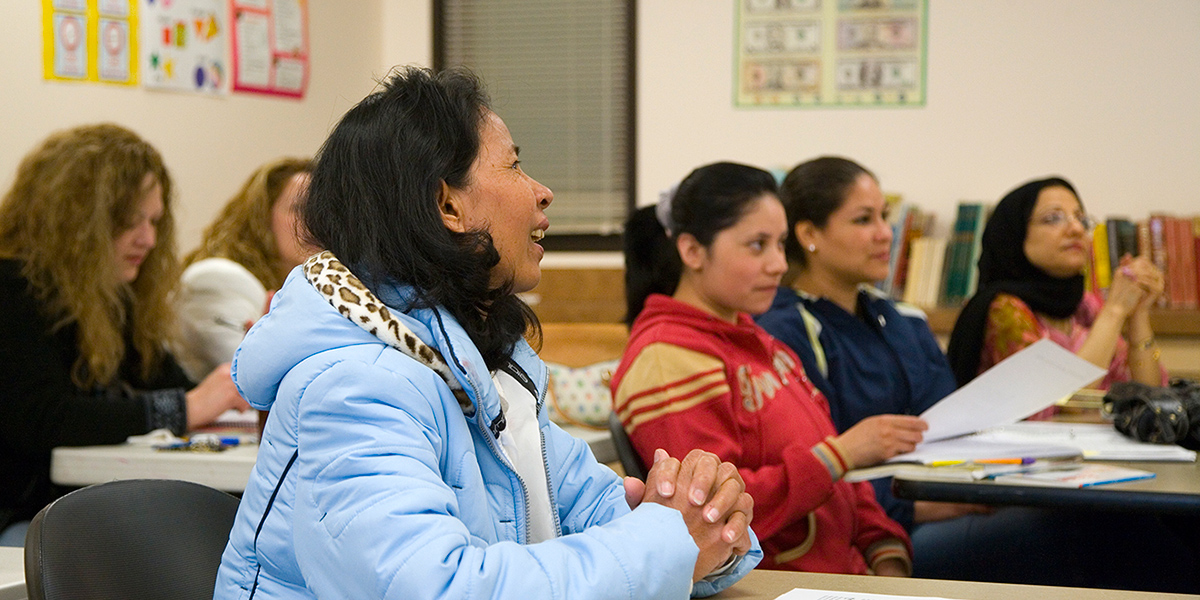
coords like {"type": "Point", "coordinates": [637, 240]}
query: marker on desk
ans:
{"type": "Point", "coordinates": [946, 463]}
{"type": "Point", "coordinates": [1005, 461]}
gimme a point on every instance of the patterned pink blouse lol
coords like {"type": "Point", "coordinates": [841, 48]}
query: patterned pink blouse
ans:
{"type": "Point", "coordinates": [1012, 326]}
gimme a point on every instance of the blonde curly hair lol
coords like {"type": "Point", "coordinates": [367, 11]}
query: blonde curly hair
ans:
{"type": "Point", "coordinates": [242, 232]}
{"type": "Point", "coordinates": [72, 196]}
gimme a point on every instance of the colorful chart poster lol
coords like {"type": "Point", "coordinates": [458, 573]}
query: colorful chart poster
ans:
{"type": "Point", "coordinates": [800, 53]}
{"type": "Point", "coordinates": [270, 47]}
{"type": "Point", "coordinates": [89, 40]}
{"type": "Point", "coordinates": [184, 45]}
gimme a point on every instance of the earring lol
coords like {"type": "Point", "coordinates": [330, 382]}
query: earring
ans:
{"type": "Point", "coordinates": [812, 247]}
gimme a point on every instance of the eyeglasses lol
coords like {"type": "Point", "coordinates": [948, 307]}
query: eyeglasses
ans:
{"type": "Point", "coordinates": [1058, 218]}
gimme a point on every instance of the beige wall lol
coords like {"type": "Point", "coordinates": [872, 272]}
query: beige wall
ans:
{"type": "Point", "coordinates": [210, 144]}
{"type": "Point", "coordinates": [1104, 92]}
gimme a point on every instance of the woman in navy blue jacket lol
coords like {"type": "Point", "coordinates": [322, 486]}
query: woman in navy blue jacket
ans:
{"type": "Point", "coordinates": [867, 354]}
{"type": "Point", "coordinates": [872, 356]}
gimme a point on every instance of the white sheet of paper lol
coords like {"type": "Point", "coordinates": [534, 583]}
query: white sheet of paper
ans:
{"type": "Point", "coordinates": [1018, 386]}
{"type": "Point", "coordinates": [1096, 441]}
{"type": "Point", "coordinates": [975, 447]}
{"type": "Point", "coordinates": [802, 594]}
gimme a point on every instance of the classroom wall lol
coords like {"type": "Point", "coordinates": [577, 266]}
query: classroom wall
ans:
{"type": "Point", "coordinates": [1101, 91]}
{"type": "Point", "coordinates": [210, 144]}
{"type": "Point", "coordinates": [1104, 92]}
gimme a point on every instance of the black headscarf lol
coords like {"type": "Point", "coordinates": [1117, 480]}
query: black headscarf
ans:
{"type": "Point", "coordinates": [1004, 268]}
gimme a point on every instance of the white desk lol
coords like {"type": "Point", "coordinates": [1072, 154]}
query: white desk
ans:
{"type": "Point", "coordinates": [760, 584]}
{"type": "Point", "coordinates": [227, 471]}
{"type": "Point", "coordinates": [12, 573]}
{"type": "Point", "coordinates": [85, 465]}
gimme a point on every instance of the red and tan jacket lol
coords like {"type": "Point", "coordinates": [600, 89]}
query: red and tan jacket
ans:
{"type": "Point", "coordinates": [690, 380]}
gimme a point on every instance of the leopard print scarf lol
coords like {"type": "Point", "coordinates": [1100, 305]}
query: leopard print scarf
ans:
{"type": "Point", "coordinates": [353, 300]}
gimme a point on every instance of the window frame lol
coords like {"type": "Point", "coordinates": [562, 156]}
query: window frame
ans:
{"type": "Point", "coordinates": [586, 242]}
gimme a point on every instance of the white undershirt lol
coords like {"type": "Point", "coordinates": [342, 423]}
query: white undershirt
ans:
{"type": "Point", "coordinates": [521, 444]}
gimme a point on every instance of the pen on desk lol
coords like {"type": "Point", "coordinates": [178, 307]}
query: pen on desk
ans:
{"type": "Point", "coordinates": [946, 463]}
{"type": "Point", "coordinates": [1004, 461]}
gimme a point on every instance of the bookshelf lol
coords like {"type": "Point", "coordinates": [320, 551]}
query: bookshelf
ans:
{"type": "Point", "coordinates": [1166, 322]}
{"type": "Point", "coordinates": [1177, 332]}
{"type": "Point", "coordinates": [593, 292]}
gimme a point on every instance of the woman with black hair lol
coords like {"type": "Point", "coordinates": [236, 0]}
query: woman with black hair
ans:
{"type": "Point", "coordinates": [1031, 286]}
{"type": "Point", "coordinates": [867, 354]}
{"type": "Point", "coordinates": [698, 373]}
{"type": "Point", "coordinates": [407, 452]}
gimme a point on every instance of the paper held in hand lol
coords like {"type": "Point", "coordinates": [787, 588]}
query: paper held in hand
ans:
{"type": "Point", "coordinates": [1019, 386]}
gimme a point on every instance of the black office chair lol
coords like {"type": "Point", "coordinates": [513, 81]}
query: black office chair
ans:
{"type": "Point", "coordinates": [139, 538]}
{"type": "Point", "coordinates": [630, 461]}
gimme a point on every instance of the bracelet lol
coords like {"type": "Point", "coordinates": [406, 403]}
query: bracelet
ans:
{"type": "Point", "coordinates": [1144, 344]}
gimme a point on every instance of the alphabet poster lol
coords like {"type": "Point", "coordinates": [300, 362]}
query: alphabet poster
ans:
{"type": "Point", "coordinates": [184, 45]}
{"type": "Point", "coordinates": [90, 40]}
{"type": "Point", "coordinates": [270, 46]}
{"type": "Point", "coordinates": [798, 53]}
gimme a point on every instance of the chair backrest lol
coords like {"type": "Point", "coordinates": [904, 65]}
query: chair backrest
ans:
{"type": "Point", "coordinates": [630, 461]}
{"type": "Point", "coordinates": [139, 538]}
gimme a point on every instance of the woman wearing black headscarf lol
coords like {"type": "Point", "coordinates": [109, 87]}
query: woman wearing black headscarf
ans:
{"type": "Point", "coordinates": [1031, 286]}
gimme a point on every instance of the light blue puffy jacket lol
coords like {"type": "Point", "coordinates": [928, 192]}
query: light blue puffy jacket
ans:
{"type": "Point", "coordinates": [371, 483]}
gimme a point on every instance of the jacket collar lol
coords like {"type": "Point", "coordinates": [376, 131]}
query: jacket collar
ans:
{"type": "Point", "coordinates": [430, 336]}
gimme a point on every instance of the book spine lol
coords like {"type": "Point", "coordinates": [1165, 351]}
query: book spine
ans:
{"type": "Point", "coordinates": [936, 265]}
{"type": "Point", "coordinates": [897, 219]}
{"type": "Point", "coordinates": [1112, 230]}
{"type": "Point", "coordinates": [1196, 254]}
{"type": "Point", "coordinates": [1127, 237]}
{"type": "Point", "coordinates": [1102, 272]}
{"type": "Point", "coordinates": [903, 262]}
{"type": "Point", "coordinates": [916, 259]}
{"type": "Point", "coordinates": [976, 250]}
{"type": "Point", "coordinates": [1187, 263]}
{"type": "Point", "coordinates": [1176, 295]}
{"type": "Point", "coordinates": [1143, 235]}
{"type": "Point", "coordinates": [1158, 255]}
{"type": "Point", "coordinates": [953, 272]}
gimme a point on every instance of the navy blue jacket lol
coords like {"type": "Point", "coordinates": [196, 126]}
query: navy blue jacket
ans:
{"type": "Point", "coordinates": [884, 360]}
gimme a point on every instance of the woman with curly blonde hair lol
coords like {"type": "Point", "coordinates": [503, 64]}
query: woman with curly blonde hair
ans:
{"type": "Point", "coordinates": [87, 266]}
{"type": "Point", "coordinates": [245, 254]}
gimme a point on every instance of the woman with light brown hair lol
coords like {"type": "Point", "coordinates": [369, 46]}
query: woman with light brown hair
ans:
{"type": "Point", "coordinates": [245, 255]}
{"type": "Point", "coordinates": [87, 267]}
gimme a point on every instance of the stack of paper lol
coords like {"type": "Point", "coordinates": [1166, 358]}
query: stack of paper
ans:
{"type": "Point", "coordinates": [979, 421]}
{"type": "Point", "coordinates": [1080, 476]}
{"type": "Point", "coordinates": [1093, 440]}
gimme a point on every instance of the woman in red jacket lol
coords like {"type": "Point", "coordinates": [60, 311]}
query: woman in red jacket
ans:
{"type": "Point", "coordinates": [699, 373]}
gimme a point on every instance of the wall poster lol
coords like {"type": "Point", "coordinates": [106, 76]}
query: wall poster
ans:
{"type": "Point", "coordinates": [89, 40]}
{"type": "Point", "coordinates": [184, 45]}
{"type": "Point", "coordinates": [799, 53]}
{"type": "Point", "coordinates": [270, 46]}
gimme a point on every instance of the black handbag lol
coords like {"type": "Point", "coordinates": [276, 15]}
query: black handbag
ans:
{"type": "Point", "coordinates": [1159, 415]}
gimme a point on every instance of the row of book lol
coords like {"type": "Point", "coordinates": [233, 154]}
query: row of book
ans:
{"type": "Point", "coordinates": [1172, 243]}
{"type": "Point", "coordinates": [932, 271]}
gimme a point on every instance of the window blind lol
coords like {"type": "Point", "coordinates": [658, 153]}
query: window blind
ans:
{"type": "Point", "coordinates": [558, 72]}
